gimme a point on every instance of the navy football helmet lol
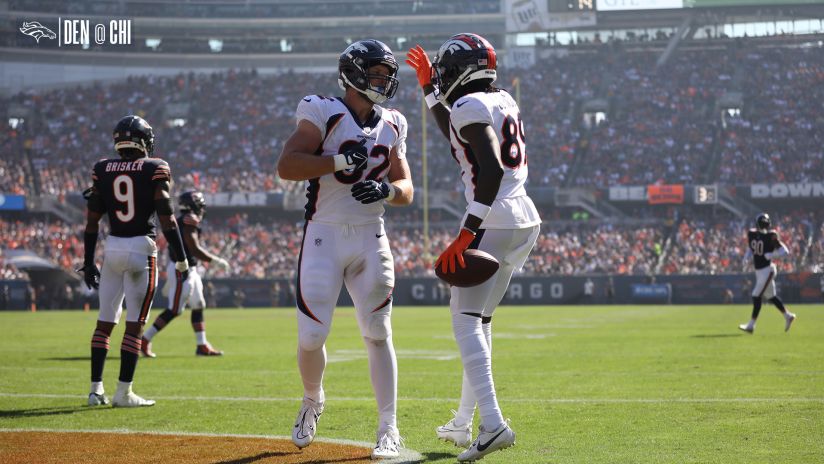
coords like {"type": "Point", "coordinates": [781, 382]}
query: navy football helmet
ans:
{"type": "Point", "coordinates": [135, 133]}
{"type": "Point", "coordinates": [354, 64]}
{"type": "Point", "coordinates": [193, 201]}
{"type": "Point", "coordinates": [763, 221]}
{"type": "Point", "coordinates": [460, 60]}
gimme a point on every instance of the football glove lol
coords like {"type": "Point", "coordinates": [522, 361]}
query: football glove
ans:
{"type": "Point", "coordinates": [419, 61]}
{"type": "Point", "coordinates": [352, 159]}
{"type": "Point", "coordinates": [770, 255]}
{"type": "Point", "coordinates": [182, 270]}
{"type": "Point", "coordinates": [91, 276]}
{"type": "Point", "coordinates": [370, 191]}
{"type": "Point", "coordinates": [454, 252]}
{"type": "Point", "coordinates": [221, 263]}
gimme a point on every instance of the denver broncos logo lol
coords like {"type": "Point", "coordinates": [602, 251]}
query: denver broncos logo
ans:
{"type": "Point", "coordinates": [37, 30]}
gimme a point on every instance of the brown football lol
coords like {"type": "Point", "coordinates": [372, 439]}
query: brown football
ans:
{"type": "Point", "coordinates": [480, 266]}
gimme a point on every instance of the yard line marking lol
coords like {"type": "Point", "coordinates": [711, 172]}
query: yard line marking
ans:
{"type": "Point", "coordinates": [407, 455]}
{"type": "Point", "coordinates": [435, 400]}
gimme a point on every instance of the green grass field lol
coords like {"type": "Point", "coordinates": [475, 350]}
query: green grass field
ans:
{"type": "Point", "coordinates": [645, 384]}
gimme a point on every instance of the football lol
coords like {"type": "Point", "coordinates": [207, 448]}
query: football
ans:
{"type": "Point", "coordinates": [480, 266]}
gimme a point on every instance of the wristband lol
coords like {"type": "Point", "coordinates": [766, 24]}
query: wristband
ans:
{"type": "Point", "coordinates": [431, 100]}
{"type": "Point", "coordinates": [479, 210]}
{"type": "Point", "coordinates": [340, 163]}
{"type": "Point", "coordinates": [392, 192]}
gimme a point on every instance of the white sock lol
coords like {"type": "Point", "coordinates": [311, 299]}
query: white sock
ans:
{"type": "Point", "coordinates": [751, 324]}
{"type": "Point", "coordinates": [125, 387]}
{"type": "Point", "coordinates": [150, 333]}
{"type": "Point", "coordinates": [477, 367]}
{"type": "Point", "coordinates": [312, 365]}
{"type": "Point", "coordinates": [466, 410]}
{"type": "Point", "coordinates": [201, 338]}
{"type": "Point", "coordinates": [383, 369]}
{"type": "Point", "coordinates": [97, 388]}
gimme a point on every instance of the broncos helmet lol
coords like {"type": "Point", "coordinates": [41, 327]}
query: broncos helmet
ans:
{"type": "Point", "coordinates": [763, 222]}
{"type": "Point", "coordinates": [193, 201]}
{"type": "Point", "coordinates": [133, 132]}
{"type": "Point", "coordinates": [460, 60]}
{"type": "Point", "coordinates": [353, 69]}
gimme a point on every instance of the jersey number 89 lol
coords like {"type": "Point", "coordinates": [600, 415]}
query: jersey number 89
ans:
{"type": "Point", "coordinates": [513, 154]}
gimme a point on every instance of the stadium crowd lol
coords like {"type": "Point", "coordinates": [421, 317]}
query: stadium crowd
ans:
{"type": "Point", "coordinates": [269, 248]}
{"type": "Point", "coordinates": [662, 125]}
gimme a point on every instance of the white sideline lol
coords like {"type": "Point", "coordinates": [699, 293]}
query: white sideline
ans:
{"type": "Point", "coordinates": [407, 455]}
{"type": "Point", "coordinates": [436, 400]}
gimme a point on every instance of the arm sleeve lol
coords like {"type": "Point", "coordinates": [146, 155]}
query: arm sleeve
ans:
{"type": "Point", "coordinates": [92, 195]}
{"type": "Point", "coordinates": [468, 110]}
{"type": "Point", "coordinates": [310, 109]}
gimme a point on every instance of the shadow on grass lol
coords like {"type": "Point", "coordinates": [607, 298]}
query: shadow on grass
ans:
{"type": "Point", "coordinates": [75, 358]}
{"type": "Point", "coordinates": [725, 335]}
{"type": "Point", "coordinates": [428, 457]}
{"type": "Point", "coordinates": [258, 457]}
{"type": "Point", "coordinates": [39, 412]}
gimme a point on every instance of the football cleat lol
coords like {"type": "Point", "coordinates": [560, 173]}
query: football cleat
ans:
{"type": "Point", "coordinates": [97, 400]}
{"type": "Point", "coordinates": [746, 328]}
{"type": "Point", "coordinates": [388, 446]}
{"type": "Point", "coordinates": [146, 349]}
{"type": "Point", "coordinates": [128, 399]}
{"type": "Point", "coordinates": [306, 423]}
{"type": "Point", "coordinates": [459, 435]}
{"type": "Point", "coordinates": [207, 350]}
{"type": "Point", "coordinates": [788, 321]}
{"type": "Point", "coordinates": [487, 442]}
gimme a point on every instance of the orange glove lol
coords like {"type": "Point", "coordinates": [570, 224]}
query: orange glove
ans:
{"type": "Point", "coordinates": [455, 251]}
{"type": "Point", "coordinates": [419, 61]}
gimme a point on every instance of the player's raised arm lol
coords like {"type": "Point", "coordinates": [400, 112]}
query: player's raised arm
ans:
{"type": "Point", "coordinates": [419, 61]}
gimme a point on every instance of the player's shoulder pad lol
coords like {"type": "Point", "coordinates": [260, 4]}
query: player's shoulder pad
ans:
{"type": "Point", "coordinates": [318, 110]}
{"type": "Point", "coordinates": [161, 170]}
{"type": "Point", "coordinates": [470, 109]}
{"type": "Point", "coordinates": [396, 120]}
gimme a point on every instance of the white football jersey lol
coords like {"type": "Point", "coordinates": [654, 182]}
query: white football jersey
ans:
{"type": "Point", "coordinates": [512, 208]}
{"type": "Point", "coordinates": [329, 197]}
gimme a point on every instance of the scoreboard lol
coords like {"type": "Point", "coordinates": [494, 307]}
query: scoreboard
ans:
{"type": "Point", "coordinates": [561, 6]}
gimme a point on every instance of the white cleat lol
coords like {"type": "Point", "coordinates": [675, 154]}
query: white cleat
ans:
{"type": "Point", "coordinates": [459, 435]}
{"type": "Point", "coordinates": [389, 445]}
{"type": "Point", "coordinates": [128, 399]}
{"type": "Point", "coordinates": [788, 321]}
{"type": "Point", "coordinates": [487, 442]}
{"type": "Point", "coordinates": [746, 328]}
{"type": "Point", "coordinates": [98, 400]}
{"type": "Point", "coordinates": [306, 423]}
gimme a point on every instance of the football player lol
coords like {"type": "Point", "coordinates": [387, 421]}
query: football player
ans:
{"type": "Point", "coordinates": [190, 291]}
{"type": "Point", "coordinates": [763, 246]}
{"type": "Point", "coordinates": [129, 190]}
{"type": "Point", "coordinates": [484, 126]}
{"type": "Point", "coordinates": [351, 153]}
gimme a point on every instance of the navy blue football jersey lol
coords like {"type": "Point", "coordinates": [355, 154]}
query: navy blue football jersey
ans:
{"type": "Point", "coordinates": [761, 243]}
{"type": "Point", "coordinates": [126, 188]}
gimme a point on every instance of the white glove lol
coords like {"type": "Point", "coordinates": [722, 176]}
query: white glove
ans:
{"type": "Point", "coordinates": [769, 255]}
{"type": "Point", "coordinates": [182, 266]}
{"type": "Point", "coordinates": [221, 263]}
